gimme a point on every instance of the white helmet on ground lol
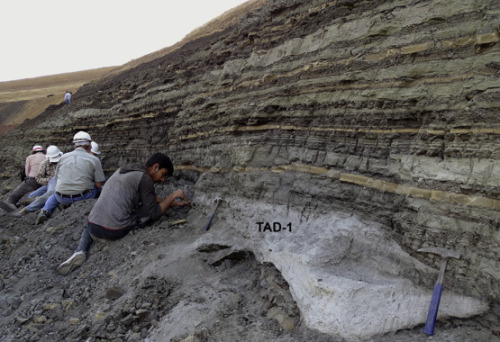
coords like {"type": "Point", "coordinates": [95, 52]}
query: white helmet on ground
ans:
{"type": "Point", "coordinates": [54, 153]}
{"type": "Point", "coordinates": [95, 148]}
{"type": "Point", "coordinates": [81, 138]}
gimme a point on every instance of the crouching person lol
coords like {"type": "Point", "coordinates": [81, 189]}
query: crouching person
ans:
{"type": "Point", "coordinates": [127, 201]}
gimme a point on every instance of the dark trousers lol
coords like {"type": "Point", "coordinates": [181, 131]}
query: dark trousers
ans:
{"type": "Point", "coordinates": [28, 185]}
{"type": "Point", "coordinates": [91, 229]}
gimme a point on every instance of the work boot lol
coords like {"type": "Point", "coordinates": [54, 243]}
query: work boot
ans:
{"type": "Point", "coordinates": [20, 212]}
{"type": "Point", "coordinates": [77, 259]}
{"type": "Point", "coordinates": [42, 217]}
{"type": "Point", "coordinates": [8, 207]}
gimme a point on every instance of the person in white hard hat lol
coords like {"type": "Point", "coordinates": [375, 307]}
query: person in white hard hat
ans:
{"type": "Point", "coordinates": [94, 148]}
{"type": "Point", "coordinates": [79, 176]}
{"type": "Point", "coordinates": [29, 183]}
{"type": "Point", "coordinates": [45, 176]}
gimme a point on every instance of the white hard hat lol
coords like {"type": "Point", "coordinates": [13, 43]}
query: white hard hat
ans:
{"type": "Point", "coordinates": [54, 153]}
{"type": "Point", "coordinates": [81, 138]}
{"type": "Point", "coordinates": [37, 148]}
{"type": "Point", "coordinates": [95, 148]}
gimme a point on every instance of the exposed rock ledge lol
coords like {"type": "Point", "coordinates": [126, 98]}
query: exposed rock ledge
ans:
{"type": "Point", "coordinates": [370, 126]}
{"type": "Point", "coordinates": [348, 277]}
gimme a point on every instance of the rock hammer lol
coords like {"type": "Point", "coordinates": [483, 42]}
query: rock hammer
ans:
{"type": "Point", "coordinates": [209, 222]}
{"type": "Point", "coordinates": [438, 288]}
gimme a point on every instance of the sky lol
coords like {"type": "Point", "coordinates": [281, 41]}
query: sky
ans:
{"type": "Point", "coordinates": [47, 37]}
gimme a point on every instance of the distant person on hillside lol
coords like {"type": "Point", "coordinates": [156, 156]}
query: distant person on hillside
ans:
{"type": "Point", "coordinates": [46, 178]}
{"type": "Point", "coordinates": [128, 201]}
{"type": "Point", "coordinates": [79, 175]}
{"type": "Point", "coordinates": [67, 97]}
{"type": "Point", "coordinates": [29, 183]}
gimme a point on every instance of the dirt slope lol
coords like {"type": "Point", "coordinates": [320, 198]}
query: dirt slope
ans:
{"type": "Point", "coordinates": [162, 283]}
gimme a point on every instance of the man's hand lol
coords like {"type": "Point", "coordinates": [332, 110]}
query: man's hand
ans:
{"type": "Point", "coordinates": [179, 194]}
{"type": "Point", "coordinates": [170, 201]}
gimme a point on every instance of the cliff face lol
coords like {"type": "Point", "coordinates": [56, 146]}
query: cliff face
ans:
{"type": "Point", "coordinates": [365, 129]}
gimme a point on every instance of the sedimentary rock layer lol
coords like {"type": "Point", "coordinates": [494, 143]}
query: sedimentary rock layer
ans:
{"type": "Point", "coordinates": [387, 110]}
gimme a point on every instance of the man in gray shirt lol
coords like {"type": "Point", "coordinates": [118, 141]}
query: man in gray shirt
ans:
{"type": "Point", "coordinates": [79, 176]}
{"type": "Point", "coordinates": [127, 201]}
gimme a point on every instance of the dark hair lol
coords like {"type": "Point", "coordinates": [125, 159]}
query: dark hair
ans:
{"type": "Point", "coordinates": [163, 160]}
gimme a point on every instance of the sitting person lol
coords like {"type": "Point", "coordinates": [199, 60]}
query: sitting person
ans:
{"type": "Point", "coordinates": [128, 201]}
{"type": "Point", "coordinates": [29, 183]}
{"type": "Point", "coordinates": [79, 176]}
{"type": "Point", "coordinates": [45, 176]}
{"type": "Point", "coordinates": [94, 150]}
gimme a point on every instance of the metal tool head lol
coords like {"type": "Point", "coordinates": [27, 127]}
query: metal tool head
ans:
{"type": "Point", "coordinates": [445, 253]}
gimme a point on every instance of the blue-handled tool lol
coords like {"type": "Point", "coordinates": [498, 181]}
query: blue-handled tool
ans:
{"type": "Point", "coordinates": [209, 222]}
{"type": "Point", "coordinates": [438, 288]}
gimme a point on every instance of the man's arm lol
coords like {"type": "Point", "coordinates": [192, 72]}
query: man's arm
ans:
{"type": "Point", "coordinates": [41, 177]}
{"type": "Point", "coordinates": [99, 178]}
{"type": "Point", "coordinates": [27, 165]}
{"type": "Point", "coordinates": [170, 200]}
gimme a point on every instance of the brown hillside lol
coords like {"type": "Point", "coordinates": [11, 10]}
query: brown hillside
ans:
{"type": "Point", "coordinates": [27, 98]}
{"type": "Point", "coordinates": [32, 96]}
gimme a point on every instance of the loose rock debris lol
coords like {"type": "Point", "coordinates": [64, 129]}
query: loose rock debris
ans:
{"type": "Point", "coordinates": [135, 288]}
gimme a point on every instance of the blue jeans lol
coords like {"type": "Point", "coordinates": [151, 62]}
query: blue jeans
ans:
{"type": "Point", "coordinates": [38, 192]}
{"type": "Point", "coordinates": [42, 198]}
{"type": "Point", "coordinates": [54, 200]}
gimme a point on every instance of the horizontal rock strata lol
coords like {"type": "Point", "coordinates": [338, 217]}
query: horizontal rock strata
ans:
{"type": "Point", "coordinates": [387, 110]}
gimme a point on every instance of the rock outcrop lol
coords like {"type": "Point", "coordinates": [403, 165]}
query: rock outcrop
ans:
{"type": "Point", "coordinates": [342, 137]}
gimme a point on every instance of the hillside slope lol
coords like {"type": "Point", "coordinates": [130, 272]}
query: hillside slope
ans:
{"type": "Point", "coordinates": [343, 136]}
{"type": "Point", "coordinates": [28, 98]}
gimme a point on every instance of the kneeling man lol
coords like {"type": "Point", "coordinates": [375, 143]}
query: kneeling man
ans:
{"type": "Point", "coordinates": [127, 201]}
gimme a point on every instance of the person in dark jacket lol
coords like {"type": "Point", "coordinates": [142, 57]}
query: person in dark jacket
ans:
{"type": "Point", "coordinates": [128, 200]}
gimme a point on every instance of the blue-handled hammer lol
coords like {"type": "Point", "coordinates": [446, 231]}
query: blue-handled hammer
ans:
{"type": "Point", "coordinates": [209, 222]}
{"type": "Point", "coordinates": [438, 288]}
